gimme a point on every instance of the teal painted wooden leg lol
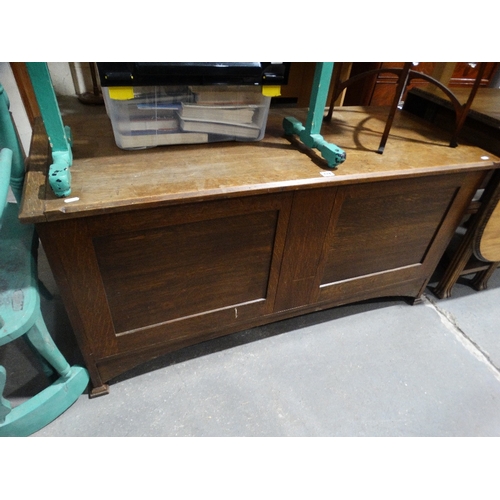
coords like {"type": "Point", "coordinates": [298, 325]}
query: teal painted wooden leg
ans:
{"type": "Point", "coordinates": [59, 135]}
{"type": "Point", "coordinates": [42, 341]}
{"type": "Point", "coordinates": [46, 406]}
{"type": "Point", "coordinates": [319, 95]}
{"type": "Point", "coordinates": [330, 152]}
{"type": "Point", "coordinates": [5, 407]}
{"type": "Point", "coordinates": [37, 412]}
{"type": "Point", "coordinates": [9, 141]}
{"type": "Point", "coordinates": [310, 133]}
{"type": "Point", "coordinates": [47, 368]}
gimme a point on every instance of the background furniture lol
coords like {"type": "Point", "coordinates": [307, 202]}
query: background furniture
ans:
{"type": "Point", "coordinates": [487, 242]}
{"type": "Point", "coordinates": [405, 76]}
{"type": "Point", "coordinates": [482, 124]}
{"type": "Point", "coordinates": [482, 231]}
{"type": "Point", "coordinates": [481, 127]}
{"type": "Point", "coordinates": [379, 89]}
{"type": "Point", "coordinates": [20, 314]}
{"type": "Point", "coordinates": [164, 248]}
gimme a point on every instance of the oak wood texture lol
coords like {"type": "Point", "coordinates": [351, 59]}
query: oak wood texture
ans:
{"type": "Point", "coordinates": [26, 91]}
{"type": "Point", "coordinates": [465, 257]}
{"type": "Point", "coordinates": [169, 247]}
{"type": "Point", "coordinates": [482, 124]}
{"type": "Point", "coordinates": [486, 243]}
{"type": "Point", "coordinates": [485, 107]}
{"type": "Point", "coordinates": [489, 245]}
{"type": "Point", "coordinates": [107, 179]}
{"type": "Point", "coordinates": [300, 82]}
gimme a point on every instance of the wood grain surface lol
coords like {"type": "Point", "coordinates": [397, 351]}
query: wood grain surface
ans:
{"type": "Point", "coordinates": [168, 247]}
{"type": "Point", "coordinates": [105, 178]}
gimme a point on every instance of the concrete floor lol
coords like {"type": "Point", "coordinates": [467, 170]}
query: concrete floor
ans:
{"type": "Point", "coordinates": [379, 368]}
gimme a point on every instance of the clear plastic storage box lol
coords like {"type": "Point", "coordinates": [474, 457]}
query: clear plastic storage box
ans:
{"type": "Point", "coordinates": [149, 116]}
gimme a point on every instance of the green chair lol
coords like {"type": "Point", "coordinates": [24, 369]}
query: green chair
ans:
{"type": "Point", "coordinates": [20, 314]}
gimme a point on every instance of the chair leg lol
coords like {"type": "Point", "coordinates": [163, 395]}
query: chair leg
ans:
{"type": "Point", "coordinates": [38, 411]}
{"type": "Point", "coordinates": [480, 281]}
{"type": "Point", "coordinates": [5, 407]}
{"type": "Point", "coordinates": [403, 78]}
{"type": "Point", "coordinates": [454, 270]}
{"type": "Point", "coordinates": [40, 338]}
{"type": "Point", "coordinates": [47, 368]}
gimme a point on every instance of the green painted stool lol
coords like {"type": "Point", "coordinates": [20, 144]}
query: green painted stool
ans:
{"type": "Point", "coordinates": [20, 313]}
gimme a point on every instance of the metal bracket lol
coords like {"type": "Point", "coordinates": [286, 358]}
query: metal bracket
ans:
{"type": "Point", "coordinates": [310, 133]}
{"type": "Point", "coordinates": [59, 136]}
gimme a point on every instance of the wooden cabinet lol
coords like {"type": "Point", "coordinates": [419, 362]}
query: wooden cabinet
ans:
{"type": "Point", "coordinates": [298, 89]}
{"type": "Point", "coordinates": [300, 80]}
{"type": "Point", "coordinates": [160, 279]}
{"type": "Point", "coordinates": [465, 74]}
{"type": "Point", "coordinates": [379, 90]}
{"type": "Point", "coordinates": [242, 235]}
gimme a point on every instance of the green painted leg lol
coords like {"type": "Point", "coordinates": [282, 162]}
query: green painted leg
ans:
{"type": "Point", "coordinates": [310, 133]}
{"type": "Point", "coordinates": [319, 95]}
{"type": "Point", "coordinates": [59, 135]}
{"type": "Point", "coordinates": [46, 406]}
{"type": "Point", "coordinates": [42, 341]}
{"type": "Point", "coordinates": [5, 407]}
{"type": "Point", "coordinates": [9, 140]}
{"type": "Point", "coordinates": [330, 152]}
{"type": "Point", "coordinates": [47, 369]}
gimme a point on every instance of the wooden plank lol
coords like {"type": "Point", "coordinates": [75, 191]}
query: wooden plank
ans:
{"type": "Point", "coordinates": [489, 246]}
{"type": "Point", "coordinates": [106, 178]}
{"type": "Point", "coordinates": [35, 193]}
{"type": "Point", "coordinates": [309, 220]}
{"type": "Point", "coordinates": [26, 91]}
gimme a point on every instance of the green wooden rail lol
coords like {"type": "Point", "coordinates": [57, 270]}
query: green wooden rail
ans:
{"type": "Point", "coordinates": [310, 133]}
{"type": "Point", "coordinates": [59, 135]}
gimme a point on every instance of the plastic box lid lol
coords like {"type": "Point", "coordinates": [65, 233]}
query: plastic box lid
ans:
{"type": "Point", "coordinates": [192, 73]}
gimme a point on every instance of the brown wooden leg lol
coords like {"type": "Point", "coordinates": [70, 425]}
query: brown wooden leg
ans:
{"type": "Point", "coordinates": [454, 269]}
{"type": "Point", "coordinates": [399, 93]}
{"type": "Point", "coordinates": [95, 392]}
{"type": "Point", "coordinates": [466, 107]}
{"type": "Point", "coordinates": [415, 301]}
{"type": "Point", "coordinates": [480, 281]}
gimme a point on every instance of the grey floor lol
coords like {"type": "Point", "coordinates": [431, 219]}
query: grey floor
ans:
{"type": "Point", "coordinates": [380, 368]}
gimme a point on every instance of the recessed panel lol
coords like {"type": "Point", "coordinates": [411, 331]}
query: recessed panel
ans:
{"type": "Point", "coordinates": [386, 226]}
{"type": "Point", "coordinates": [177, 271]}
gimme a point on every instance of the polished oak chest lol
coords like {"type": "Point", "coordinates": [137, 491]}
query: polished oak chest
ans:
{"type": "Point", "coordinates": [156, 250]}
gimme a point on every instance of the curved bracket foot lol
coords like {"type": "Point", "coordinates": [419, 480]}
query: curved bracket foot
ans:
{"type": "Point", "coordinates": [46, 406]}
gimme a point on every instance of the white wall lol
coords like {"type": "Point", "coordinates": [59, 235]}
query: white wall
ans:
{"type": "Point", "coordinates": [67, 78]}
{"type": "Point", "coordinates": [70, 78]}
{"type": "Point", "coordinates": [16, 105]}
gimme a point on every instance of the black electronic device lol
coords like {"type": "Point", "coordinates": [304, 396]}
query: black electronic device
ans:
{"type": "Point", "coordinates": [117, 74]}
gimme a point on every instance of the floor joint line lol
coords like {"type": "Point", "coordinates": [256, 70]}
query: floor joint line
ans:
{"type": "Point", "coordinates": [452, 325]}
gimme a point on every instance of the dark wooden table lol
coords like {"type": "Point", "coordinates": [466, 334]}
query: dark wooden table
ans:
{"type": "Point", "coordinates": [172, 246]}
